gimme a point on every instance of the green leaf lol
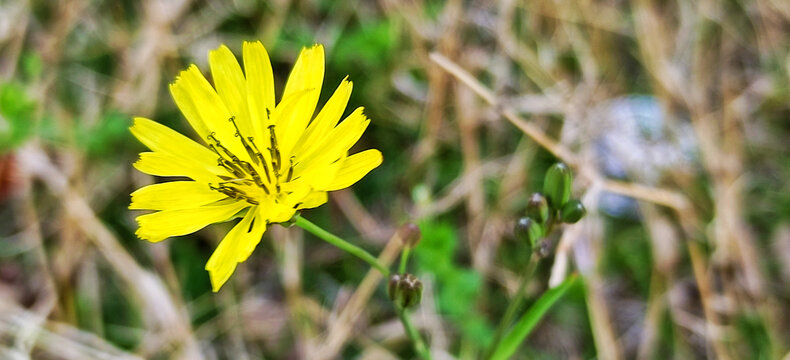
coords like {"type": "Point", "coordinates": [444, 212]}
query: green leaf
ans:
{"type": "Point", "coordinates": [32, 65]}
{"type": "Point", "coordinates": [16, 115]}
{"type": "Point", "coordinates": [366, 46]}
{"type": "Point", "coordinates": [106, 134]}
{"type": "Point", "coordinates": [527, 322]}
{"type": "Point", "coordinates": [458, 288]}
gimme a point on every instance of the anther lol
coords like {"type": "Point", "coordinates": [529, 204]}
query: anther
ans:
{"type": "Point", "coordinates": [228, 165]}
{"type": "Point", "coordinates": [258, 158]}
{"type": "Point", "coordinates": [290, 170]}
{"type": "Point", "coordinates": [243, 142]}
{"type": "Point", "coordinates": [230, 192]}
{"type": "Point", "coordinates": [275, 151]}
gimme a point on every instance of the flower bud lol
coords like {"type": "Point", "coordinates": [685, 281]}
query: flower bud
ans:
{"type": "Point", "coordinates": [538, 208]}
{"type": "Point", "coordinates": [557, 185]}
{"type": "Point", "coordinates": [392, 286]}
{"type": "Point", "coordinates": [572, 211]}
{"type": "Point", "coordinates": [409, 234]}
{"type": "Point", "coordinates": [529, 230]}
{"type": "Point", "coordinates": [405, 290]}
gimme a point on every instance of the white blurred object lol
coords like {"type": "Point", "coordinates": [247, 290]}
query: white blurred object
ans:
{"type": "Point", "coordinates": [633, 139]}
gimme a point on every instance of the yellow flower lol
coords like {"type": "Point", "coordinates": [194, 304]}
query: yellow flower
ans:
{"type": "Point", "coordinates": [268, 159]}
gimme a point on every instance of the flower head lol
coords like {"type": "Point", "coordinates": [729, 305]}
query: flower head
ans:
{"type": "Point", "coordinates": [260, 160]}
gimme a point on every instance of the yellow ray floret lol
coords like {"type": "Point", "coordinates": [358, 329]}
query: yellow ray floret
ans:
{"type": "Point", "coordinates": [259, 160]}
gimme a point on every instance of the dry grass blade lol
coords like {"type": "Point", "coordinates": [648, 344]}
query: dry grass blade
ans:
{"type": "Point", "coordinates": [642, 192]}
{"type": "Point", "coordinates": [163, 314]}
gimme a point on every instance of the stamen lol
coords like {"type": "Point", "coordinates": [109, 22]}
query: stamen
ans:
{"type": "Point", "coordinates": [290, 169]}
{"type": "Point", "coordinates": [275, 151]}
{"type": "Point", "coordinates": [229, 191]}
{"type": "Point", "coordinates": [243, 142]}
{"type": "Point", "coordinates": [245, 175]}
{"type": "Point", "coordinates": [235, 192]}
{"type": "Point", "coordinates": [255, 177]}
{"type": "Point", "coordinates": [221, 161]}
{"type": "Point", "coordinates": [245, 182]}
{"type": "Point", "coordinates": [262, 161]}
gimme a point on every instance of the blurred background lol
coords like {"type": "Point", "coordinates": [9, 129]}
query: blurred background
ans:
{"type": "Point", "coordinates": [674, 115]}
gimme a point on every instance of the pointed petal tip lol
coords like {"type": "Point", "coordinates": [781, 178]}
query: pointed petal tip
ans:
{"type": "Point", "coordinates": [216, 283]}
{"type": "Point", "coordinates": [191, 70]}
{"type": "Point", "coordinates": [217, 275]}
{"type": "Point", "coordinates": [252, 43]}
{"type": "Point", "coordinates": [146, 236]}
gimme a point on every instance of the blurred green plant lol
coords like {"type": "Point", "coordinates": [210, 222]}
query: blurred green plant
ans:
{"type": "Point", "coordinates": [527, 323]}
{"type": "Point", "coordinates": [544, 212]}
{"type": "Point", "coordinates": [17, 112]}
{"type": "Point", "coordinates": [457, 288]}
{"type": "Point", "coordinates": [110, 131]}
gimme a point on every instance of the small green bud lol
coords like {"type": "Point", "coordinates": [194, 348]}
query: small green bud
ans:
{"type": "Point", "coordinates": [404, 290]}
{"type": "Point", "coordinates": [557, 185]}
{"type": "Point", "coordinates": [572, 211]}
{"type": "Point", "coordinates": [409, 234]}
{"type": "Point", "coordinates": [392, 286]}
{"type": "Point", "coordinates": [529, 230]}
{"type": "Point", "coordinates": [538, 208]}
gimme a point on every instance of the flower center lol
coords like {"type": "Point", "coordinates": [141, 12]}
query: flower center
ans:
{"type": "Point", "coordinates": [246, 181]}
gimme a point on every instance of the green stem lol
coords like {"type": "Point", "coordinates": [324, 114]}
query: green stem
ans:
{"type": "Point", "coordinates": [416, 339]}
{"type": "Point", "coordinates": [404, 259]}
{"type": "Point", "coordinates": [340, 243]}
{"type": "Point", "coordinates": [516, 303]}
{"type": "Point", "coordinates": [419, 344]}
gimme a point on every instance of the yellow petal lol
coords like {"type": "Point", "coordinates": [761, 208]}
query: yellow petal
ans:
{"type": "Point", "coordinates": [354, 168]}
{"type": "Point", "coordinates": [260, 86]}
{"type": "Point", "coordinates": [205, 110]}
{"type": "Point", "coordinates": [314, 199]}
{"type": "Point", "coordinates": [288, 108]}
{"type": "Point", "coordinates": [307, 74]}
{"type": "Point", "coordinates": [163, 224]}
{"type": "Point", "coordinates": [235, 248]}
{"type": "Point", "coordinates": [281, 212]}
{"type": "Point", "coordinates": [326, 120]}
{"type": "Point", "coordinates": [163, 164]}
{"type": "Point", "coordinates": [337, 142]}
{"type": "Point", "coordinates": [231, 86]}
{"type": "Point", "coordinates": [158, 137]}
{"type": "Point", "coordinates": [321, 175]}
{"type": "Point", "coordinates": [174, 195]}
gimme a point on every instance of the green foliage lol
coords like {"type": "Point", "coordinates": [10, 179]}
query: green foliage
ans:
{"type": "Point", "coordinates": [32, 66]}
{"type": "Point", "coordinates": [457, 287]}
{"type": "Point", "coordinates": [367, 45]}
{"type": "Point", "coordinates": [530, 319]}
{"type": "Point", "coordinates": [110, 131]}
{"type": "Point", "coordinates": [629, 253]}
{"type": "Point", "coordinates": [16, 115]}
{"type": "Point", "coordinates": [756, 341]}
